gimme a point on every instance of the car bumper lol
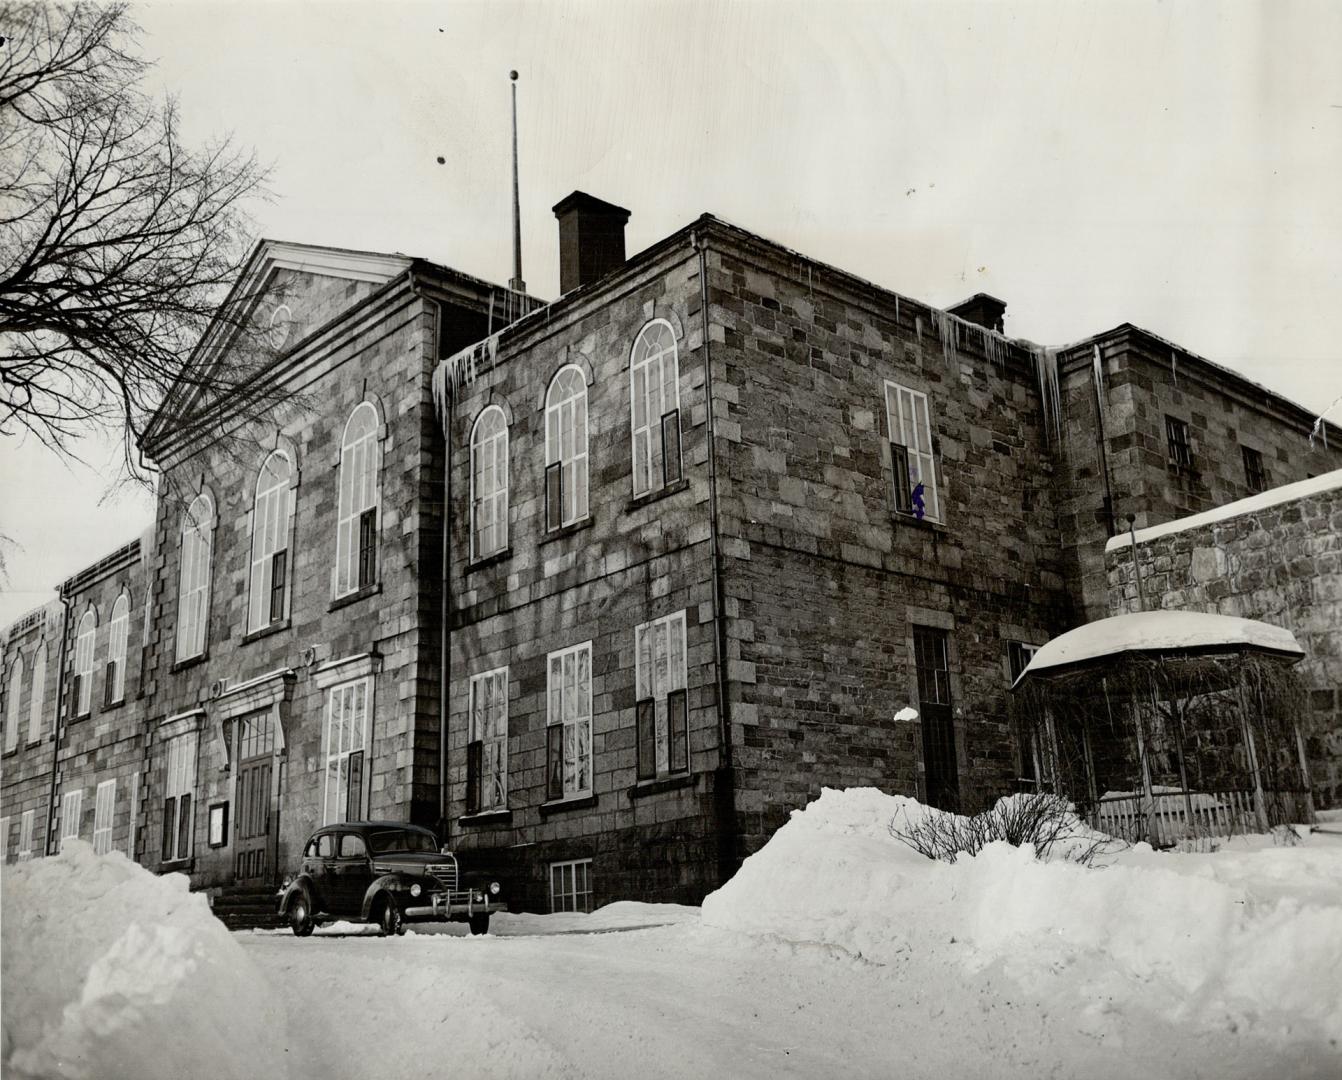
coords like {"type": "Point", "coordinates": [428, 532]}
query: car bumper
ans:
{"type": "Point", "coordinates": [455, 905]}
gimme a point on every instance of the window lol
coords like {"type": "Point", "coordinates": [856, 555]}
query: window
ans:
{"type": "Point", "coordinates": [114, 684]}
{"type": "Point", "coordinates": [38, 700]}
{"type": "Point", "coordinates": [13, 692]}
{"type": "Point", "coordinates": [910, 427]}
{"type": "Point", "coordinates": [940, 767]}
{"type": "Point", "coordinates": [177, 797]}
{"type": "Point", "coordinates": [104, 808]}
{"type": "Point", "coordinates": [1019, 655]}
{"type": "Point", "coordinates": [81, 687]}
{"type": "Point", "coordinates": [661, 712]}
{"type": "Point", "coordinates": [489, 483]}
{"type": "Point", "coordinates": [326, 846]}
{"type": "Point", "coordinates": [654, 408]}
{"type": "Point", "coordinates": [193, 589]}
{"type": "Point", "coordinates": [26, 834]}
{"type": "Point", "coordinates": [352, 846]}
{"type": "Point", "coordinates": [72, 809]}
{"type": "Point", "coordinates": [1181, 450]}
{"type": "Point", "coordinates": [270, 542]}
{"type": "Point", "coordinates": [1255, 477]}
{"type": "Point", "coordinates": [566, 449]}
{"type": "Point", "coordinates": [569, 722]}
{"type": "Point", "coordinates": [571, 885]}
{"type": "Point", "coordinates": [346, 742]}
{"type": "Point", "coordinates": [487, 752]}
{"type": "Point", "coordinates": [356, 528]}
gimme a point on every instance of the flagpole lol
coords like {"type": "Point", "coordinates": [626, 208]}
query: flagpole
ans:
{"type": "Point", "coordinates": [516, 284]}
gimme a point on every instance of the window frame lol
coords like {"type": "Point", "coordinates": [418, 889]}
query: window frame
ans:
{"type": "Point", "coordinates": [574, 467]}
{"type": "Point", "coordinates": [25, 847]}
{"type": "Point", "coordinates": [1255, 470]}
{"type": "Point", "coordinates": [925, 460]}
{"type": "Point", "coordinates": [662, 754]}
{"type": "Point", "coordinates": [37, 700]}
{"type": "Point", "coordinates": [582, 746]}
{"type": "Point", "coordinates": [195, 571]}
{"type": "Point", "coordinates": [561, 895]}
{"type": "Point", "coordinates": [104, 816]}
{"type": "Point", "coordinates": [86, 643]}
{"type": "Point", "coordinates": [268, 557]}
{"type": "Point", "coordinates": [179, 788]}
{"type": "Point", "coordinates": [1179, 444]}
{"type": "Point", "coordinates": [499, 496]}
{"type": "Point", "coordinates": [354, 570]}
{"type": "Point", "coordinates": [13, 699]}
{"type": "Point", "coordinates": [654, 423]}
{"type": "Point", "coordinates": [347, 755]}
{"type": "Point", "coordinates": [479, 759]}
{"type": "Point", "coordinates": [118, 632]}
{"type": "Point", "coordinates": [72, 811]}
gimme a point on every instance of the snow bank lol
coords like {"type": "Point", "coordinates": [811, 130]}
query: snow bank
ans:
{"type": "Point", "coordinates": [1229, 946]}
{"type": "Point", "coordinates": [111, 971]}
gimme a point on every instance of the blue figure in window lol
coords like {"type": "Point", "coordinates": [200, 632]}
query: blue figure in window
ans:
{"type": "Point", "coordinates": [918, 508]}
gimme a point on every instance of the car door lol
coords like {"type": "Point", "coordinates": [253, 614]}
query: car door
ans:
{"type": "Point", "coordinates": [325, 874]}
{"type": "Point", "coordinates": [353, 871]}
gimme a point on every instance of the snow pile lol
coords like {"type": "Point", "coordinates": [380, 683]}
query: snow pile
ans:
{"type": "Point", "coordinates": [1232, 947]}
{"type": "Point", "coordinates": [112, 971]}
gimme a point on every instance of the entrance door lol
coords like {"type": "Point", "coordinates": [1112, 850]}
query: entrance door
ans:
{"type": "Point", "coordinates": [256, 746]}
{"type": "Point", "coordinates": [940, 769]}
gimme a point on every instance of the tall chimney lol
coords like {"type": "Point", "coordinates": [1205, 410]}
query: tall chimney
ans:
{"type": "Point", "coordinates": [591, 239]}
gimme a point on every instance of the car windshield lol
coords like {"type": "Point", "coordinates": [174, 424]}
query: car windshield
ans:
{"type": "Point", "coordinates": [401, 840]}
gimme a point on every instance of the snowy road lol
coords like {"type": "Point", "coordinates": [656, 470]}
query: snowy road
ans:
{"type": "Point", "coordinates": [688, 1000]}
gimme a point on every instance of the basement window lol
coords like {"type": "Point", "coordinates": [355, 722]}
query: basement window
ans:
{"type": "Point", "coordinates": [571, 885]}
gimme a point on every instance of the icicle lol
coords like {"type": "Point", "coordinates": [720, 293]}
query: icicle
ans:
{"type": "Point", "coordinates": [1046, 371]}
{"type": "Point", "coordinates": [918, 329]}
{"type": "Point", "coordinates": [1174, 368]}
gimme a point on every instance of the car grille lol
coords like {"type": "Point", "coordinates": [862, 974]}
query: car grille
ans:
{"type": "Point", "coordinates": [446, 873]}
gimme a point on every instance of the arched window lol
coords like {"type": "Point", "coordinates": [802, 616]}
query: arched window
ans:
{"type": "Point", "coordinates": [39, 698]}
{"type": "Point", "coordinates": [356, 529]}
{"type": "Point", "coordinates": [566, 449]}
{"type": "Point", "coordinates": [13, 691]}
{"type": "Point", "coordinates": [270, 543]}
{"type": "Point", "coordinates": [489, 483]}
{"type": "Point", "coordinates": [82, 689]}
{"type": "Point", "coordinates": [117, 629]}
{"type": "Point", "coordinates": [654, 397]}
{"type": "Point", "coordinates": [193, 588]}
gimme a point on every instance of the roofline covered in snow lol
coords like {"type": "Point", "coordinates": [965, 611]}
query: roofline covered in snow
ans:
{"type": "Point", "coordinates": [1300, 489]}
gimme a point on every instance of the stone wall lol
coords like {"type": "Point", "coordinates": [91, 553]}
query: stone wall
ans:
{"type": "Point", "coordinates": [1276, 557]}
{"type": "Point", "coordinates": [25, 771]}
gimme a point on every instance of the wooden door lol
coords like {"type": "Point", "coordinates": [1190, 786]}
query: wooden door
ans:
{"type": "Point", "coordinates": [252, 838]}
{"type": "Point", "coordinates": [940, 767]}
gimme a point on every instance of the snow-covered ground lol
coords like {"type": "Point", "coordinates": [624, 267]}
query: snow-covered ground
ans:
{"type": "Point", "coordinates": [835, 950]}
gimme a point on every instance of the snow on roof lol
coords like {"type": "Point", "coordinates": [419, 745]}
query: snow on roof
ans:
{"type": "Point", "coordinates": [1159, 631]}
{"type": "Point", "coordinates": [1264, 499]}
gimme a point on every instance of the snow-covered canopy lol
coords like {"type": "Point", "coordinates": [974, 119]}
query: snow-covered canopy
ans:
{"type": "Point", "coordinates": [1160, 632]}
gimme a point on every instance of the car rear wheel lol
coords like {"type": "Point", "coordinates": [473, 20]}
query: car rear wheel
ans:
{"type": "Point", "coordinates": [389, 920]}
{"type": "Point", "coordinates": [300, 916]}
{"type": "Point", "coordinates": [480, 923]}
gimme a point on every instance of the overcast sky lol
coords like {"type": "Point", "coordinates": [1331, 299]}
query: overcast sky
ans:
{"type": "Point", "coordinates": [1175, 165]}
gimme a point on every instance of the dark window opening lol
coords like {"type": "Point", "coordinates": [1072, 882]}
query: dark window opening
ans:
{"type": "Point", "coordinates": [354, 797]}
{"type": "Point", "coordinates": [184, 826]}
{"type": "Point", "coordinates": [474, 762]}
{"type": "Point", "coordinates": [278, 566]}
{"type": "Point", "coordinates": [671, 467]}
{"type": "Point", "coordinates": [1019, 655]}
{"type": "Point", "coordinates": [1255, 476]}
{"type": "Point", "coordinates": [109, 684]}
{"type": "Point", "coordinates": [554, 758]}
{"type": "Point", "coordinates": [1180, 448]}
{"type": "Point", "coordinates": [940, 768]}
{"type": "Point", "coordinates": [899, 461]}
{"type": "Point", "coordinates": [647, 739]}
{"type": "Point", "coordinates": [367, 547]}
{"type": "Point", "coordinates": [677, 720]}
{"type": "Point", "coordinates": [554, 496]}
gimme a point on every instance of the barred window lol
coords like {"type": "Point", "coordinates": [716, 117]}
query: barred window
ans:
{"type": "Point", "coordinates": [489, 483]}
{"type": "Point", "coordinates": [566, 448]}
{"type": "Point", "coordinates": [654, 393]}
{"type": "Point", "coordinates": [487, 753]}
{"type": "Point", "coordinates": [662, 706]}
{"type": "Point", "coordinates": [1180, 448]}
{"type": "Point", "coordinates": [1255, 476]}
{"type": "Point", "coordinates": [569, 722]}
{"type": "Point", "coordinates": [360, 497]}
{"type": "Point", "coordinates": [271, 510]}
{"type": "Point", "coordinates": [193, 591]}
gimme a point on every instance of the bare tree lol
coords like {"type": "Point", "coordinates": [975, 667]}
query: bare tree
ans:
{"type": "Point", "coordinates": [117, 242]}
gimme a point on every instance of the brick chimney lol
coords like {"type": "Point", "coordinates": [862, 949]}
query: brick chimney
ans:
{"type": "Point", "coordinates": [982, 310]}
{"type": "Point", "coordinates": [591, 239]}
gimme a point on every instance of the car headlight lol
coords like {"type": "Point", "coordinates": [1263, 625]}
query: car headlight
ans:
{"type": "Point", "coordinates": [415, 890]}
{"type": "Point", "coordinates": [493, 888]}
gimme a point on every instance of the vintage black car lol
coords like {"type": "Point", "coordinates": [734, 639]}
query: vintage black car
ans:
{"type": "Point", "coordinates": [384, 872]}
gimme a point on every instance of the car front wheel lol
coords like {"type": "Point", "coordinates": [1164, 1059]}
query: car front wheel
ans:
{"type": "Point", "coordinates": [300, 916]}
{"type": "Point", "coordinates": [389, 920]}
{"type": "Point", "coordinates": [480, 923]}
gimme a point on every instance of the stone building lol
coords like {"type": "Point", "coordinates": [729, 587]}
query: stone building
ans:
{"type": "Point", "coordinates": [601, 589]}
{"type": "Point", "coordinates": [1275, 556]}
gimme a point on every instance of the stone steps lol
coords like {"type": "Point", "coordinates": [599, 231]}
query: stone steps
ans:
{"type": "Point", "coordinates": [247, 907]}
